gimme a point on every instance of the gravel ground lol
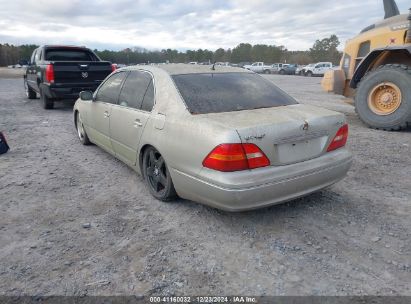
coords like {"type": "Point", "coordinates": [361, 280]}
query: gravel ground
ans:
{"type": "Point", "coordinates": [11, 73]}
{"type": "Point", "coordinates": [76, 221]}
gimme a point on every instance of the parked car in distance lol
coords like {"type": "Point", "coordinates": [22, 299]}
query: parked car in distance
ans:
{"type": "Point", "coordinates": [21, 64]}
{"type": "Point", "coordinates": [301, 70]}
{"type": "Point", "coordinates": [259, 67]}
{"type": "Point", "coordinates": [222, 63]}
{"type": "Point", "coordinates": [242, 64]}
{"type": "Point", "coordinates": [318, 69]}
{"type": "Point", "coordinates": [288, 69]}
{"type": "Point", "coordinates": [62, 72]}
{"type": "Point", "coordinates": [276, 67]}
{"type": "Point", "coordinates": [227, 137]}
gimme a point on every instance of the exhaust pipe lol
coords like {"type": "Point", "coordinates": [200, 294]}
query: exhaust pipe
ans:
{"type": "Point", "coordinates": [408, 38]}
{"type": "Point", "coordinates": [390, 9]}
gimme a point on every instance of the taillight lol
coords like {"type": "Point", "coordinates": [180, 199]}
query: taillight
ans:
{"type": "Point", "coordinates": [113, 67]}
{"type": "Point", "coordinates": [340, 139]}
{"type": "Point", "coordinates": [50, 73]}
{"type": "Point", "coordinates": [256, 158]}
{"type": "Point", "coordinates": [236, 157]}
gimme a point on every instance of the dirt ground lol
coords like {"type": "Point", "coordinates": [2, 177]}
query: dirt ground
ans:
{"type": "Point", "coordinates": [353, 238]}
{"type": "Point", "coordinates": [11, 73]}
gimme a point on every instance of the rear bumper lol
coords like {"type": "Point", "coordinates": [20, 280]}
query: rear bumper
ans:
{"type": "Point", "coordinates": [246, 190]}
{"type": "Point", "coordinates": [67, 91]}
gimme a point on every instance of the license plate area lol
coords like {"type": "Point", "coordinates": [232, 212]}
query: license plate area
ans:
{"type": "Point", "coordinates": [297, 151]}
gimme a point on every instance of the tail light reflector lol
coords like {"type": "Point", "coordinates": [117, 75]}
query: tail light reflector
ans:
{"type": "Point", "coordinates": [113, 67]}
{"type": "Point", "coordinates": [340, 139]}
{"type": "Point", "coordinates": [50, 73]}
{"type": "Point", "coordinates": [236, 157]}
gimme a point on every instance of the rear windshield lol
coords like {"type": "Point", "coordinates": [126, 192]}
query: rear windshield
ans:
{"type": "Point", "coordinates": [228, 92]}
{"type": "Point", "coordinates": [69, 55]}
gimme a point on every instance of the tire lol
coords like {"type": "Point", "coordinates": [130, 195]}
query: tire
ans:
{"type": "Point", "coordinates": [267, 72]}
{"type": "Point", "coordinates": [48, 103]}
{"type": "Point", "coordinates": [81, 132]}
{"type": "Point", "coordinates": [383, 98]}
{"type": "Point", "coordinates": [157, 176]}
{"type": "Point", "coordinates": [282, 72]}
{"type": "Point", "coordinates": [30, 93]}
{"type": "Point", "coordinates": [309, 74]}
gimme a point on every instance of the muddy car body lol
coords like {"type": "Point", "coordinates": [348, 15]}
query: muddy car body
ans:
{"type": "Point", "coordinates": [225, 137]}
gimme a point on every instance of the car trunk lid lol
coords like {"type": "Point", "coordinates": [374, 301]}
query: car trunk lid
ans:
{"type": "Point", "coordinates": [287, 134]}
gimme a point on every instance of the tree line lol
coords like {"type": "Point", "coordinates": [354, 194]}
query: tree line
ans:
{"type": "Point", "coordinates": [322, 50]}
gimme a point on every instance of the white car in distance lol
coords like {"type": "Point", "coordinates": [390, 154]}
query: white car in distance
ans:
{"type": "Point", "coordinates": [259, 67]}
{"type": "Point", "coordinates": [318, 69]}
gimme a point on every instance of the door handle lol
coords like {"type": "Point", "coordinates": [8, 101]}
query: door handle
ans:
{"type": "Point", "coordinates": [106, 115]}
{"type": "Point", "coordinates": [138, 123]}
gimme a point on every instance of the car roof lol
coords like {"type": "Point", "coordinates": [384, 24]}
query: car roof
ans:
{"type": "Point", "coordinates": [181, 68]}
{"type": "Point", "coordinates": [64, 46]}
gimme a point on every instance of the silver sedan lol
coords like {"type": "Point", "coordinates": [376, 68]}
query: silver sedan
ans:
{"type": "Point", "coordinates": [222, 136]}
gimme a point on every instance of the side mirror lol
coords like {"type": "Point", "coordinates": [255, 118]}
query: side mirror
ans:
{"type": "Point", "coordinates": [86, 95]}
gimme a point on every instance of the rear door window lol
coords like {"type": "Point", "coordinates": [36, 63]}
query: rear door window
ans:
{"type": "Point", "coordinates": [148, 101]}
{"type": "Point", "coordinates": [134, 89]}
{"type": "Point", "coordinates": [110, 89]}
{"type": "Point", "coordinates": [37, 56]}
{"type": "Point", "coordinates": [228, 92]}
{"type": "Point", "coordinates": [67, 54]}
{"type": "Point", "coordinates": [33, 56]}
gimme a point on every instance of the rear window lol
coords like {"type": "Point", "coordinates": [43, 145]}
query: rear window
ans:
{"type": "Point", "coordinates": [228, 92]}
{"type": "Point", "coordinates": [69, 55]}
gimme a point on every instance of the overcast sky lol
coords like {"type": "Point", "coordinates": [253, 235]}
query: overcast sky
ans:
{"type": "Point", "coordinates": [185, 24]}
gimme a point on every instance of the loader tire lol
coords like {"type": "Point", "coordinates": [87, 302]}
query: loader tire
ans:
{"type": "Point", "coordinates": [383, 98]}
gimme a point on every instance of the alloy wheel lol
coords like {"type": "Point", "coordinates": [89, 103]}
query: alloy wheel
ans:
{"type": "Point", "coordinates": [80, 128]}
{"type": "Point", "coordinates": [156, 172]}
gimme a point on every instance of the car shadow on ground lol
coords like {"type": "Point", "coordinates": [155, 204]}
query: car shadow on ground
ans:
{"type": "Point", "coordinates": [64, 105]}
{"type": "Point", "coordinates": [60, 105]}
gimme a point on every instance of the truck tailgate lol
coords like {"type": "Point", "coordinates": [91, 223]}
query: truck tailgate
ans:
{"type": "Point", "coordinates": [81, 72]}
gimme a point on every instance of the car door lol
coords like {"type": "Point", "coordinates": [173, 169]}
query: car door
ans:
{"type": "Point", "coordinates": [129, 117]}
{"type": "Point", "coordinates": [325, 68]}
{"type": "Point", "coordinates": [32, 72]}
{"type": "Point", "coordinates": [317, 69]}
{"type": "Point", "coordinates": [98, 116]}
{"type": "Point", "coordinates": [321, 69]}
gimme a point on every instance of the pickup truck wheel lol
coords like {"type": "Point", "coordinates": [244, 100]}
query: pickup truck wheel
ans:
{"type": "Point", "coordinates": [82, 135]}
{"type": "Point", "coordinates": [267, 72]}
{"type": "Point", "coordinates": [309, 74]}
{"type": "Point", "coordinates": [48, 103]}
{"type": "Point", "coordinates": [282, 72]}
{"type": "Point", "coordinates": [30, 93]}
{"type": "Point", "coordinates": [383, 99]}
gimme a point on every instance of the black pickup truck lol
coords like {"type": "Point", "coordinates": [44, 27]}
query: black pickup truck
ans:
{"type": "Point", "coordinates": [62, 72]}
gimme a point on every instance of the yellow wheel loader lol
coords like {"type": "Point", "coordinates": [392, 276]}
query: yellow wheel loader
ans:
{"type": "Point", "coordinates": [376, 70]}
